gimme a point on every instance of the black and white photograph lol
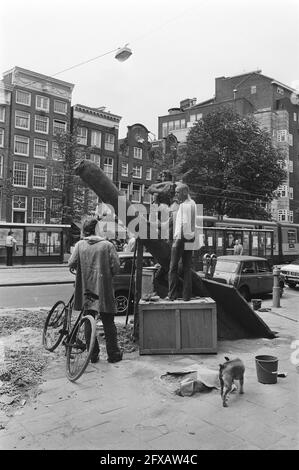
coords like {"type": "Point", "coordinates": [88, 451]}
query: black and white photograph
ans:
{"type": "Point", "coordinates": [149, 228]}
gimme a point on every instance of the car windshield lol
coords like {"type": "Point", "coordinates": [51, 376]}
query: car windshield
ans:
{"type": "Point", "coordinates": [226, 266]}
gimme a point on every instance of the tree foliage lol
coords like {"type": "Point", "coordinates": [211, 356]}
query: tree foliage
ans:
{"type": "Point", "coordinates": [77, 199]}
{"type": "Point", "coordinates": [231, 165]}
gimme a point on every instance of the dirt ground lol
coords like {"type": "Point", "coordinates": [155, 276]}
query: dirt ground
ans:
{"type": "Point", "coordinates": [23, 359]}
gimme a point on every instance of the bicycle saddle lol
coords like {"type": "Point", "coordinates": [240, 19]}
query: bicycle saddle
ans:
{"type": "Point", "coordinates": [91, 295]}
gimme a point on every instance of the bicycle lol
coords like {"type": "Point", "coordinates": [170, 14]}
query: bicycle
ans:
{"type": "Point", "coordinates": [78, 340]}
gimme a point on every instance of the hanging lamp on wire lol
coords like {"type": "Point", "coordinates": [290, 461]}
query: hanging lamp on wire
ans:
{"type": "Point", "coordinates": [123, 53]}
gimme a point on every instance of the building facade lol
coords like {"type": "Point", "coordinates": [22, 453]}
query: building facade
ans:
{"type": "Point", "coordinates": [39, 108]}
{"type": "Point", "coordinates": [135, 171]}
{"type": "Point", "coordinates": [276, 108]}
{"type": "Point", "coordinates": [97, 136]}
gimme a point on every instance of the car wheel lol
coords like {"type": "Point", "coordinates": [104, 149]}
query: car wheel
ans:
{"type": "Point", "coordinates": [291, 284]}
{"type": "Point", "coordinates": [122, 302]}
{"type": "Point", "coordinates": [244, 291]}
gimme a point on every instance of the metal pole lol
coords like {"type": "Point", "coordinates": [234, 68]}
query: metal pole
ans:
{"type": "Point", "coordinates": [276, 287]}
{"type": "Point", "coordinates": [138, 286]}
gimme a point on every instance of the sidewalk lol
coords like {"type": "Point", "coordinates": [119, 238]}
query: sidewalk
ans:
{"type": "Point", "coordinates": [35, 275]}
{"type": "Point", "coordinates": [128, 406]}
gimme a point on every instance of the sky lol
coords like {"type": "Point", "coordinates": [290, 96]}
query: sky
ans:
{"type": "Point", "coordinates": [179, 47]}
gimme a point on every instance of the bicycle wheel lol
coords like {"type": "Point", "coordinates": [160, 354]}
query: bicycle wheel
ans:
{"type": "Point", "coordinates": [54, 328]}
{"type": "Point", "coordinates": [79, 347]}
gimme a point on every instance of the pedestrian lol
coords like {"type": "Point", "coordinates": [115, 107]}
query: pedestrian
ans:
{"type": "Point", "coordinates": [11, 246]}
{"type": "Point", "coordinates": [184, 233]}
{"type": "Point", "coordinates": [96, 262]}
{"type": "Point", "coordinates": [238, 248]}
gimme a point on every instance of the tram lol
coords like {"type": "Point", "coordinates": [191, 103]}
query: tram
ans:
{"type": "Point", "coordinates": [36, 243]}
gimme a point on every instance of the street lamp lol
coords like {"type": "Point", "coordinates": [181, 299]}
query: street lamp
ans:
{"type": "Point", "coordinates": [123, 53]}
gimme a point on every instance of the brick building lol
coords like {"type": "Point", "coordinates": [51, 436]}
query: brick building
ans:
{"type": "Point", "coordinates": [135, 172]}
{"type": "Point", "coordinates": [38, 108]}
{"type": "Point", "coordinates": [274, 105]}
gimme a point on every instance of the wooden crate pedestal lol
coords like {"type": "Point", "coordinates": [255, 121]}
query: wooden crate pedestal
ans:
{"type": "Point", "coordinates": [178, 327]}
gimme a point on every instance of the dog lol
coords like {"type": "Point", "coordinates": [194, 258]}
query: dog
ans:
{"type": "Point", "coordinates": [228, 372]}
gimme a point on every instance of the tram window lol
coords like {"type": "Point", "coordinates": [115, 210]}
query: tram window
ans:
{"type": "Point", "coordinates": [291, 238]}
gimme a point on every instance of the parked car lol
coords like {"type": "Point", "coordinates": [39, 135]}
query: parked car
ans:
{"type": "Point", "coordinates": [290, 273]}
{"type": "Point", "coordinates": [250, 275]}
{"type": "Point", "coordinates": [122, 279]}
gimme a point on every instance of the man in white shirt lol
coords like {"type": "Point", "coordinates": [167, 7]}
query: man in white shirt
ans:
{"type": "Point", "coordinates": [184, 234]}
{"type": "Point", "coordinates": [10, 244]}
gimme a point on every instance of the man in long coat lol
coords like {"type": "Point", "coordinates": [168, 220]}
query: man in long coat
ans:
{"type": "Point", "coordinates": [96, 262]}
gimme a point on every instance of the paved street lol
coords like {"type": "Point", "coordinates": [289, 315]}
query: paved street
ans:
{"type": "Point", "coordinates": [129, 406]}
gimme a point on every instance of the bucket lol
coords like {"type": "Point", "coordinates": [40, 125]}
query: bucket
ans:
{"type": "Point", "coordinates": [256, 303]}
{"type": "Point", "coordinates": [266, 369]}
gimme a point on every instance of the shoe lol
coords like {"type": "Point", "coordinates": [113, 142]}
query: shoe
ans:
{"type": "Point", "coordinates": [118, 357]}
{"type": "Point", "coordinates": [94, 360]}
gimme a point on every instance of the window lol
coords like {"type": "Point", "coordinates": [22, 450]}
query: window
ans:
{"type": "Point", "coordinates": [57, 182]}
{"type": "Point", "coordinates": [42, 103]}
{"type": "Point", "coordinates": [40, 148]}
{"type": "Point", "coordinates": [177, 124]}
{"type": "Point", "coordinates": [1, 166]}
{"type": "Point", "coordinates": [1, 137]}
{"type": "Point", "coordinates": [282, 191]}
{"type": "Point", "coordinates": [295, 116]}
{"type": "Point", "coordinates": [60, 107]}
{"type": "Point", "coordinates": [291, 216]}
{"type": "Point", "coordinates": [109, 142]}
{"type": "Point", "coordinates": [290, 139]}
{"type": "Point", "coordinates": [55, 210]}
{"type": "Point", "coordinates": [263, 267]}
{"type": "Point", "coordinates": [137, 153]}
{"type": "Point", "coordinates": [2, 113]}
{"type": "Point", "coordinates": [183, 123]}
{"type": "Point", "coordinates": [282, 215]}
{"type": "Point", "coordinates": [96, 138]}
{"type": "Point", "coordinates": [147, 197]}
{"type": "Point", "coordinates": [21, 145]}
{"type": "Point", "coordinates": [39, 177]}
{"type": "Point", "coordinates": [148, 175]}
{"type": "Point", "coordinates": [82, 135]}
{"type": "Point", "coordinates": [56, 154]}
{"type": "Point", "coordinates": [195, 117]}
{"type": "Point", "coordinates": [253, 89]}
{"type": "Point", "coordinates": [280, 90]}
{"type": "Point", "coordinates": [136, 194]}
{"type": "Point", "coordinates": [170, 126]}
{"type": "Point", "coordinates": [124, 169]}
{"type": "Point", "coordinates": [22, 120]}
{"type": "Point", "coordinates": [20, 174]}
{"type": "Point", "coordinates": [38, 210]}
{"type": "Point", "coordinates": [282, 135]}
{"type": "Point", "coordinates": [41, 124]}
{"type": "Point", "coordinates": [125, 189]}
{"type": "Point", "coordinates": [137, 171]}
{"type": "Point", "coordinates": [291, 192]}
{"type": "Point", "coordinates": [23, 97]}
{"type": "Point", "coordinates": [59, 126]}
{"type": "Point", "coordinates": [164, 129]}
{"type": "Point", "coordinates": [291, 166]}
{"type": "Point", "coordinates": [108, 167]}
{"type": "Point", "coordinates": [94, 157]}
{"type": "Point", "coordinates": [19, 202]}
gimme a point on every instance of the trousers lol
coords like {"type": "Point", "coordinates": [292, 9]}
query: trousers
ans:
{"type": "Point", "coordinates": [9, 252]}
{"type": "Point", "coordinates": [110, 333]}
{"type": "Point", "coordinates": [178, 252]}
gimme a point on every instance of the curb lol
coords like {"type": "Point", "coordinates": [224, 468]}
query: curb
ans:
{"type": "Point", "coordinates": [40, 283]}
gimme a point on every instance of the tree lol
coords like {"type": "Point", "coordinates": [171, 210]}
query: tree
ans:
{"type": "Point", "coordinates": [164, 157]}
{"type": "Point", "coordinates": [77, 199]}
{"type": "Point", "coordinates": [231, 165]}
